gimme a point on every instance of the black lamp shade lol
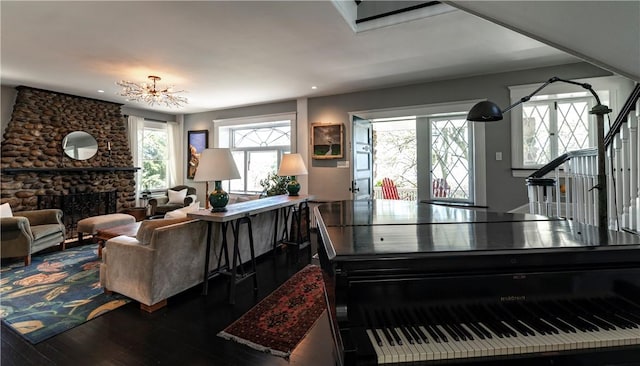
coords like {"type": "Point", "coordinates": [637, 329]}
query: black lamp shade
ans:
{"type": "Point", "coordinates": [485, 112]}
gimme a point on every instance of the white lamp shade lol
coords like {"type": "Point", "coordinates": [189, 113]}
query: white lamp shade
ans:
{"type": "Point", "coordinates": [216, 164]}
{"type": "Point", "coordinates": [292, 164]}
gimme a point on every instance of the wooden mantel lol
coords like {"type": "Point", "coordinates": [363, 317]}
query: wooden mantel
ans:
{"type": "Point", "coordinates": [68, 170]}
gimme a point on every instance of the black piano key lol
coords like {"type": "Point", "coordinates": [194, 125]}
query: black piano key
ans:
{"type": "Point", "coordinates": [583, 314]}
{"type": "Point", "coordinates": [391, 327]}
{"type": "Point", "coordinates": [466, 320]}
{"type": "Point", "coordinates": [525, 315]}
{"type": "Point", "coordinates": [449, 324]}
{"type": "Point", "coordinates": [612, 314]}
{"type": "Point", "coordinates": [458, 323]}
{"type": "Point", "coordinates": [384, 329]}
{"type": "Point", "coordinates": [476, 322]}
{"type": "Point", "coordinates": [526, 318]}
{"type": "Point", "coordinates": [499, 319]}
{"type": "Point", "coordinates": [487, 319]}
{"type": "Point", "coordinates": [414, 320]}
{"type": "Point", "coordinates": [432, 326]}
{"type": "Point", "coordinates": [427, 325]}
{"type": "Point", "coordinates": [411, 326]}
{"type": "Point", "coordinates": [511, 320]}
{"type": "Point", "coordinates": [550, 318]}
{"type": "Point", "coordinates": [623, 309]}
{"type": "Point", "coordinates": [404, 327]}
{"type": "Point", "coordinates": [567, 315]}
{"type": "Point", "coordinates": [443, 323]}
{"type": "Point", "coordinates": [602, 313]}
{"type": "Point", "coordinates": [371, 326]}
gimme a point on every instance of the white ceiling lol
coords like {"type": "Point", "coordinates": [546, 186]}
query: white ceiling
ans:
{"type": "Point", "coordinates": [235, 53]}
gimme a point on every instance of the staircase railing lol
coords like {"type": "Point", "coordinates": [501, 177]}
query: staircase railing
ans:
{"type": "Point", "coordinates": [566, 186]}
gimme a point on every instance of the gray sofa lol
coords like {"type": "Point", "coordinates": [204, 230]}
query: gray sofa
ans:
{"type": "Point", "coordinates": [164, 260]}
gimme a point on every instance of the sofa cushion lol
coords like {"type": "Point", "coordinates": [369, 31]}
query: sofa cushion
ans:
{"type": "Point", "coordinates": [177, 197]}
{"type": "Point", "coordinates": [148, 226]}
{"type": "Point", "coordinates": [182, 212]}
{"type": "Point", "coordinates": [5, 210]}
{"type": "Point", "coordinates": [42, 231]}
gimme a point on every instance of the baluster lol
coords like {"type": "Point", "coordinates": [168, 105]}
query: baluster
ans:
{"type": "Point", "coordinates": [568, 189]}
{"type": "Point", "coordinates": [634, 176]}
{"type": "Point", "coordinates": [592, 202]}
{"type": "Point", "coordinates": [626, 175]}
{"type": "Point", "coordinates": [619, 180]}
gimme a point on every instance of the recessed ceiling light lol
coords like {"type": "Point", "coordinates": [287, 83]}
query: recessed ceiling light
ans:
{"type": "Point", "coordinates": [314, 87]}
{"type": "Point", "coordinates": [100, 91]}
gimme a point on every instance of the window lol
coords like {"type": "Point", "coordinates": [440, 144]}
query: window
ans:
{"type": "Point", "coordinates": [558, 121]}
{"type": "Point", "coordinates": [451, 158]}
{"type": "Point", "coordinates": [553, 127]}
{"type": "Point", "coordinates": [257, 145]}
{"type": "Point", "coordinates": [154, 155]}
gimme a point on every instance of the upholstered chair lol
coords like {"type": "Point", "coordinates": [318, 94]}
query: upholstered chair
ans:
{"type": "Point", "coordinates": [175, 198]}
{"type": "Point", "coordinates": [27, 232]}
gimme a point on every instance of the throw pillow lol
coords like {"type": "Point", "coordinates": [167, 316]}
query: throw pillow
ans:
{"type": "Point", "coordinates": [182, 212]}
{"type": "Point", "coordinates": [177, 197]}
{"type": "Point", "coordinates": [5, 210]}
{"type": "Point", "coordinates": [148, 226]}
{"type": "Point", "coordinates": [193, 197]}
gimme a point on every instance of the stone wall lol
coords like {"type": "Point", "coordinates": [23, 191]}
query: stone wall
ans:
{"type": "Point", "coordinates": [33, 139]}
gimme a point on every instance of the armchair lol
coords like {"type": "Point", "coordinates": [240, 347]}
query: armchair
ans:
{"type": "Point", "coordinates": [31, 231]}
{"type": "Point", "coordinates": [162, 205]}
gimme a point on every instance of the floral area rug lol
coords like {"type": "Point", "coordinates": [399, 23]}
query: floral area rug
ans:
{"type": "Point", "coordinates": [280, 321]}
{"type": "Point", "coordinates": [57, 292]}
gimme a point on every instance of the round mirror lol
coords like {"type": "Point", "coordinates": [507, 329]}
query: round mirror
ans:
{"type": "Point", "coordinates": [79, 145]}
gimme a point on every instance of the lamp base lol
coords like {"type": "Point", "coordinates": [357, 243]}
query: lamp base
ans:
{"type": "Point", "coordinates": [218, 198]}
{"type": "Point", "coordinates": [293, 187]}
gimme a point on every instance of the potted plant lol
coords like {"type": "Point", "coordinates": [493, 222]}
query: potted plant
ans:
{"type": "Point", "coordinates": [274, 185]}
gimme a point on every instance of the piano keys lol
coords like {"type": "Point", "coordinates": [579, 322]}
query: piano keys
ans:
{"type": "Point", "coordinates": [417, 283]}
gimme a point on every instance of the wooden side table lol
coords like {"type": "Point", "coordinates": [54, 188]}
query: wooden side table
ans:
{"type": "Point", "coordinates": [140, 213]}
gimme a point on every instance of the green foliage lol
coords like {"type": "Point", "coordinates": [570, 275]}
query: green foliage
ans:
{"type": "Point", "coordinates": [274, 185]}
{"type": "Point", "coordinates": [154, 154]}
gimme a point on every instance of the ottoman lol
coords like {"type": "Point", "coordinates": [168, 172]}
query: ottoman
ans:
{"type": "Point", "coordinates": [91, 225]}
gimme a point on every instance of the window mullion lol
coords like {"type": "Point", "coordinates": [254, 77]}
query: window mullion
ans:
{"type": "Point", "coordinates": [553, 129]}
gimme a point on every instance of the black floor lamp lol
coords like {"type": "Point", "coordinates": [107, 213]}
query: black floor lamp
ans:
{"type": "Point", "coordinates": [487, 111]}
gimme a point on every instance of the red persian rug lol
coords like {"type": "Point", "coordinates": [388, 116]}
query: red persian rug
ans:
{"type": "Point", "coordinates": [279, 322]}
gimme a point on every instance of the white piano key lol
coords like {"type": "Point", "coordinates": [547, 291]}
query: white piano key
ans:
{"type": "Point", "coordinates": [438, 352]}
{"type": "Point", "coordinates": [380, 356]}
{"type": "Point", "coordinates": [391, 353]}
{"type": "Point", "coordinates": [403, 351]}
{"type": "Point", "coordinates": [458, 352]}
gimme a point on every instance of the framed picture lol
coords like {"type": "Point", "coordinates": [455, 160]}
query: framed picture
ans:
{"type": "Point", "coordinates": [327, 140]}
{"type": "Point", "coordinates": [198, 141]}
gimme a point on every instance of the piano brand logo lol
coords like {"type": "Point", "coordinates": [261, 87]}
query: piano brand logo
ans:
{"type": "Point", "coordinates": [513, 298]}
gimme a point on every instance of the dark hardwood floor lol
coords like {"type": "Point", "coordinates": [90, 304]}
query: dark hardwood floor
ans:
{"type": "Point", "coordinates": [183, 333]}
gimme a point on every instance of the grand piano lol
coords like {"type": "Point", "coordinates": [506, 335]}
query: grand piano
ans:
{"type": "Point", "coordinates": [424, 284]}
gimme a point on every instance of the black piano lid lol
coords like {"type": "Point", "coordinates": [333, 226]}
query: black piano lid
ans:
{"type": "Point", "coordinates": [355, 230]}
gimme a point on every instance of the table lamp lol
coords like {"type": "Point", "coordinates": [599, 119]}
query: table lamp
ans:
{"type": "Point", "coordinates": [487, 111]}
{"type": "Point", "coordinates": [216, 165]}
{"type": "Point", "coordinates": [292, 165]}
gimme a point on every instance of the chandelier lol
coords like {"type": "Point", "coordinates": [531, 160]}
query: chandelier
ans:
{"type": "Point", "coordinates": [150, 94]}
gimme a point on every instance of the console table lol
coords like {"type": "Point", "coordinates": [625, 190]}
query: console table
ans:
{"type": "Point", "coordinates": [236, 214]}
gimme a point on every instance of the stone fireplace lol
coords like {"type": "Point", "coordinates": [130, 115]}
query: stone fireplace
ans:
{"type": "Point", "coordinates": [33, 163]}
